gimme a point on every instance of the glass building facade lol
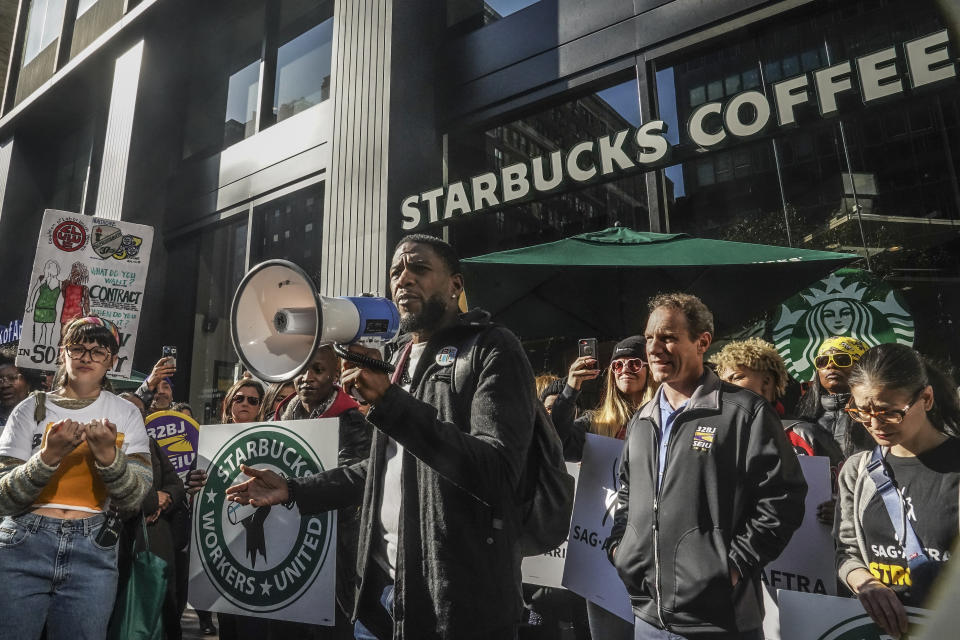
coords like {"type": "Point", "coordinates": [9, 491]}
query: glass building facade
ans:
{"type": "Point", "coordinates": [295, 129]}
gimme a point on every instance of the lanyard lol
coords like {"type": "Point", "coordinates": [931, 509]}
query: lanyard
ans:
{"type": "Point", "coordinates": [401, 363]}
{"type": "Point", "coordinates": [906, 535]}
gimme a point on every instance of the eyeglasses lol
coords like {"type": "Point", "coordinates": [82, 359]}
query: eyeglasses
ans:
{"type": "Point", "coordinates": [97, 354]}
{"type": "Point", "coordinates": [10, 379]}
{"type": "Point", "coordinates": [841, 360]}
{"type": "Point", "coordinates": [253, 401]}
{"type": "Point", "coordinates": [633, 365]}
{"type": "Point", "coordinates": [887, 416]}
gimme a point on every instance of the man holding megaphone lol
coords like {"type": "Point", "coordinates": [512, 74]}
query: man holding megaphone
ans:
{"type": "Point", "coordinates": [438, 554]}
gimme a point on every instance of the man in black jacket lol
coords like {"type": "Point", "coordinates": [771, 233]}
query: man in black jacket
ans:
{"type": "Point", "coordinates": [439, 556]}
{"type": "Point", "coordinates": [710, 490]}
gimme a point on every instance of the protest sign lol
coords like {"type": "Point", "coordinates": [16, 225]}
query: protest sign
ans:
{"type": "Point", "coordinates": [268, 562]}
{"type": "Point", "coordinates": [587, 570]}
{"type": "Point", "coordinates": [177, 434]}
{"type": "Point", "coordinates": [547, 569]}
{"type": "Point", "coordinates": [809, 616]}
{"type": "Point", "coordinates": [84, 266]}
{"type": "Point", "coordinates": [807, 563]}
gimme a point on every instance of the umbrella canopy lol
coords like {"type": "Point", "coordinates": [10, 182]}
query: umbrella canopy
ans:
{"type": "Point", "coordinates": [597, 284]}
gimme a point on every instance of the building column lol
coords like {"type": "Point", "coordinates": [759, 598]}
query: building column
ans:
{"type": "Point", "coordinates": [116, 146]}
{"type": "Point", "coordinates": [384, 141]}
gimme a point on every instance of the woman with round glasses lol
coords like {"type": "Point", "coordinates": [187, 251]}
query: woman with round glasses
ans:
{"type": "Point", "coordinates": [69, 459]}
{"type": "Point", "coordinates": [243, 402]}
{"type": "Point", "coordinates": [627, 386]}
{"type": "Point", "coordinates": [899, 506]}
{"type": "Point", "coordinates": [829, 391]}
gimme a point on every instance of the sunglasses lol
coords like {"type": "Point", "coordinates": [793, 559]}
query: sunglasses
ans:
{"type": "Point", "coordinates": [253, 401]}
{"type": "Point", "coordinates": [633, 365]}
{"type": "Point", "coordinates": [887, 416]}
{"type": "Point", "coordinates": [841, 360]}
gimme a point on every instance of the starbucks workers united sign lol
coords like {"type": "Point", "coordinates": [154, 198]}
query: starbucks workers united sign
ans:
{"type": "Point", "coordinates": [848, 302]}
{"type": "Point", "coordinates": [270, 562]}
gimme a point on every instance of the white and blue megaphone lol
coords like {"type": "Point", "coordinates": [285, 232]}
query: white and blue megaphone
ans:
{"type": "Point", "coordinates": [279, 319]}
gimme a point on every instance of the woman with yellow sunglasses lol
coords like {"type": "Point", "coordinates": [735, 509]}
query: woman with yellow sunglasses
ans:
{"type": "Point", "coordinates": [830, 390]}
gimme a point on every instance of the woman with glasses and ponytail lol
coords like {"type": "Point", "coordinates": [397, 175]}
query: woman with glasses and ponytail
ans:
{"type": "Point", "coordinates": [627, 387]}
{"type": "Point", "coordinates": [72, 463]}
{"type": "Point", "coordinates": [899, 503]}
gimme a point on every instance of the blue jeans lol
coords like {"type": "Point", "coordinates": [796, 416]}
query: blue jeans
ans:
{"type": "Point", "coordinates": [645, 631]}
{"type": "Point", "coordinates": [53, 572]}
{"type": "Point", "coordinates": [606, 625]}
{"type": "Point", "coordinates": [360, 632]}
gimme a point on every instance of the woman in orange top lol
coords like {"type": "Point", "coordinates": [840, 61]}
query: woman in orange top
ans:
{"type": "Point", "coordinates": [70, 461]}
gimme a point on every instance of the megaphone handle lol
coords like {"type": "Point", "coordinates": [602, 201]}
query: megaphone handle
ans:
{"type": "Point", "coordinates": [362, 360]}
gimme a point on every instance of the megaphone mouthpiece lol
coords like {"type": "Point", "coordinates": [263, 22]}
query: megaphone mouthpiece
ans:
{"type": "Point", "coordinates": [299, 321]}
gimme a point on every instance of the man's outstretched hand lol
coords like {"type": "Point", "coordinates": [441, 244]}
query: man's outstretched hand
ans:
{"type": "Point", "coordinates": [264, 488]}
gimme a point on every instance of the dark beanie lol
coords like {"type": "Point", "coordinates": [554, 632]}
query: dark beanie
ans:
{"type": "Point", "coordinates": [632, 347]}
{"type": "Point", "coordinates": [555, 388]}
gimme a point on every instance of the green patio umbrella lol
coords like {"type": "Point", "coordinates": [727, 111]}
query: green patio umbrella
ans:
{"type": "Point", "coordinates": [597, 284]}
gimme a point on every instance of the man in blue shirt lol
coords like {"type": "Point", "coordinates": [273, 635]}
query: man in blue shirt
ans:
{"type": "Point", "coordinates": [710, 490]}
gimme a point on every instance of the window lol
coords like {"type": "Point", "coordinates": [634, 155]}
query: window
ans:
{"type": "Point", "coordinates": [222, 263]}
{"type": "Point", "coordinates": [43, 26]}
{"type": "Point", "coordinates": [466, 15]}
{"type": "Point", "coordinates": [72, 190]}
{"type": "Point", "coordinates": [290, 228]}
{"type": "Point", "coordinates": [233, 94]}
{"type": "Point", "coordinates": [241, 117]}
{"type": "Point", "coordinates": [795, 187]}
{"type": "Point", "coordinates": [572, 209]}
{"type": "Point", "coordinates": [303, 59]}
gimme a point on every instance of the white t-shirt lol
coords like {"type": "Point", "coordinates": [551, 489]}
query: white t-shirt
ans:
{"type": "Point", "coordinates": [390, 506]}
{"type": "Point", "coordinates": [76, 485]}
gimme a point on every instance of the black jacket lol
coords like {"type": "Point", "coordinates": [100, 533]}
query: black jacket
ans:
{"type": "Point", "coordinates": [572, 429]}
{"type": "Point", "coordinates": [354, 446]}
{"type": "Point", "coordinates": [733, 500]}
{"type": "Point", "coordinates": [458, 557]}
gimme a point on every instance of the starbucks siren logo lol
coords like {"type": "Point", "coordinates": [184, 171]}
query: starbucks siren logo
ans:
{"type": "Point", "coordinates": [260, 559]}
{"type": "Point", "coordinates": [848, 302]}
{"type": "Point", "coordinates": [861, 627]}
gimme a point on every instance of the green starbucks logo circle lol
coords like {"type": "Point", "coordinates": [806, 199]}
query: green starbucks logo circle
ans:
{"type": "Point", "coordinates": [861, 627]}
{"type": "Point", "coordinates": [848, 302]}
{"type": "Point", "coordinates": [260, 559]}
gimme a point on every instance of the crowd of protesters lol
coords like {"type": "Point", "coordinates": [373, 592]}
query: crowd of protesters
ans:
{"type": "Point", "coordinates": [429, 469]}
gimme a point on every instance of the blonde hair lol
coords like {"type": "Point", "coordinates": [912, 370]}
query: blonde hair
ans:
{"type": "Point", "coordinates": [615, 410]}
{"type": "Point", "coordinates": [543, 381]}
{"type": "Point", "coordinates": [756, 354]}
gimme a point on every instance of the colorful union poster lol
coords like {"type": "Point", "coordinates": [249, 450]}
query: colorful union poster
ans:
{"type": "Point", "coordinates": [84, 266]}
{"type": "Point", "coordinates": [177, 434]}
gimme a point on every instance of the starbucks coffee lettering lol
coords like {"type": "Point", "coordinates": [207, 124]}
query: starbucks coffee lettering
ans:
{"type": "Point", "coordinates": [882, 75]}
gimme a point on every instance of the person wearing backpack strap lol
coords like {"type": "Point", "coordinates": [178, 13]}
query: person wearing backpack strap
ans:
{"type": "Point", "coordinates": [443, 489]}
{"type": "Point", "coordinates": [899, 506]}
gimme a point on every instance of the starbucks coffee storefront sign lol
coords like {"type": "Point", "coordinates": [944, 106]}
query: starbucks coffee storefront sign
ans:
{"type": "Point", "coordinates": [848, 302]}
{"type": "Point", "coordinates": [269, 562]}
{"type": "Point", "coordinates": [876, 77]}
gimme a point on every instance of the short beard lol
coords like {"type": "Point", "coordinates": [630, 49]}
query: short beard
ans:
{"type": "Point", "coordinates": [429, 319]}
